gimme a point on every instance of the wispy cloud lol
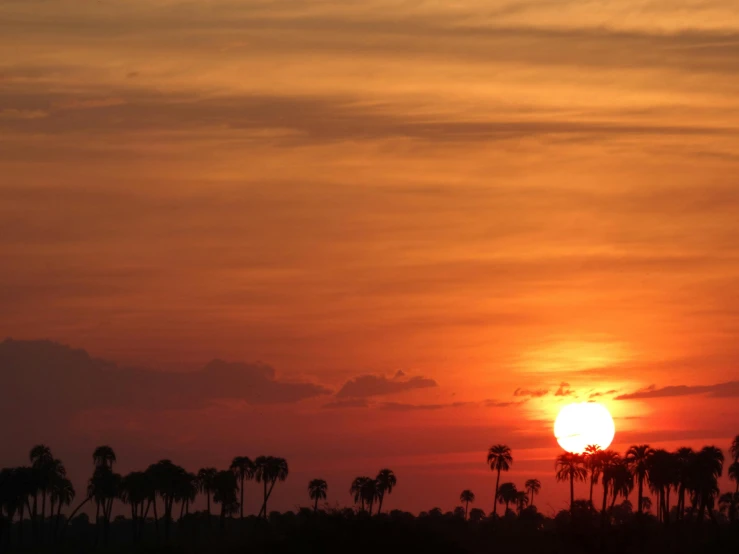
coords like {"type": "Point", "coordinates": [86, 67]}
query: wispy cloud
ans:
{"type": "Point", "coordinates": [730, 389]}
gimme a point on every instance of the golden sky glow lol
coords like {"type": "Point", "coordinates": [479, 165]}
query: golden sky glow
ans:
{"type": "Point", "coordinates": [527, 203]}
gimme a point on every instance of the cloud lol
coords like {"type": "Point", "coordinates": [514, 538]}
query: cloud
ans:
{"type": "Point", "coordinates": [729, 389]}
{"type": "Point", "coordinates": [503, 404]}
{"type": "Point", "coordinates": [564, 390]}
{"type": "Point", "coordinates": [343, 404]}
{"type": "Point", "coordinates": [607, 393]}
{"type": "Point", "coordinates": [402, 407]}
{"type": "Point", "coordinates": [538, 393]}
{"type": "Point", "coordinates": [67, 380]}
{"type": "Point", "coordinates": [379, 385]}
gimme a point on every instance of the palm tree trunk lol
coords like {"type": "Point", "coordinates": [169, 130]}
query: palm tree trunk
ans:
{"type": "Point", "coordinates": [379, 506]}
{"type": "Point", "coordinates": [603, 512]}
{"type": "Point", "coordinates": [207, 495]}
{"type": "Point", "coordinates": [495, 498]}
{"type": "Point", "coordinates": [43, 513]}
{"type": "Point", "coordinates": [20, 525]}
{"type": "Point", "coordinates": [466, 508]}
{"type": "Point", "coordinates": [242, 495]}
{"type": "Point", "coordinates": [71, 516]}
{"type": "Point", "coordinates": [592, 482]}
{"type": "Point", "coordinates": [641, 493]}
{"type": "Point", "coordinates": [572, 494]}
{"type": "Point", "coordinates": [315, 506]}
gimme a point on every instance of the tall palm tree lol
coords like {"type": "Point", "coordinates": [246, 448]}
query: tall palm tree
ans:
{"type": "Point", "coordinates": [269, 470]}
{"type": "Point", "coordinates": [187, 491]}
{"type": "Point", "coordinates": [104, 487]}
{"type": "Point", "coordinates": [386, 481]}
{"type": "Point", "coordinates": [593, 465]}
{"type": "Point", "coordinates": [609, 461]}
{"type": "Point", "coordinates": [317, 491]}
{"type": "Point", "coordinates": [369, 493]}
{"type": "Point", "coordinates": [466, 497]}
{"type": "Point", "coordinates": [734, 476]}
{"type": "Point", "coordinates": [734, 449]}
{"type": "Point", "coordinates": [684, 461]}
{"type": "Point", "coordinates": [357, 489]}
{"type": "Point", "coordinates": [707, 467]}
{"type": "Point", "coordinates": [135, 492]}
{"type": "Point", "coordinates": [621, 482]}
{"type": "Point", "coordinates": [243, 468]}
{"type": "Point", "coordinates": [500, 458]}
{"type": "Point", "coordinates": [533, 486]}
{"type": "Point", "coordinates": [637, 459]}
{"type": "Point", "coordinates": [40, 457]}
{"type": "Point", "coordinates": [663, 471]}
{"type": "Point", "coordinates": [571, 467]}
{"type": "Point", "coordinates": [224, 493]}
{"type": "Point", "coordinates": [168, 481]}
{"type": "Point", "coordinates": [206, 475]}
{"type": "Point", "coordinates": [507, 494]}
{"type": "Point", "coordinates": [62, 494]}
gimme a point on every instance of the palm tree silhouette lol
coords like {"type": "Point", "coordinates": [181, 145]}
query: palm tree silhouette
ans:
{"type": "Point", "coordinates": [507, 494]}
{"type": "Point", "coordinates": [317, 491]}
{"type": "Point", "coordinates": [224, 493]}
{"type": "Point", "coordinates": [522, 500]}
{"type": "Point", "coordinates": [40, 457]}
{"type": "Point", "coordinates": [533, 486]}
{"type": "Point", "coordinates": [135, 492]}
{"type": "Point", "coordinates": [466, 497]}
{"type": "Point", "coordinates": [663, 471]}
{"type": "Point", "coordinates": [593, 465]}
{"type": "Point", "coordinates": [622, 482]}
{"type": "Point", "coordinates": [357, 489]}
{"type": "Point", "coordinates": [733, 472]}
{"type": "Point", "coordinates": [369, 493]}
{"type": "Point", "coordinates": [637, 459]}
{"type": "Point", "coordinates": [571, 467]}
{"type": "Point", "coordinates": [243, 467]}
{"type": "Point", "coordinates": [706, 468]}
{"type": "Point", "coordinates": [169, 481]}
{"type": "Point", "coordinates": [734, 449]}
{"type": "Point", "coordinates": [206, 476]}
{"type": "Point", "coordinates": [104, 456]}
{"type": "Point", "coordinates": [609, 461]}
{"type": "Point", "coordinates": [386, 481]}
{"type": "Point", "coordinates": [104, 488]}
{"type": "Point", "coordinates": [499, 459]}
{"type": "Point", "coordinates": [683, 461]}
{"type": "Point", "coordinates": [269, 470]}
{"type": "Point", "coordinates": [62, 494]}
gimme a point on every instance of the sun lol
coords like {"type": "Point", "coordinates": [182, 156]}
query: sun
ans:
{"type": "Point", "coordinates": [579, 425]}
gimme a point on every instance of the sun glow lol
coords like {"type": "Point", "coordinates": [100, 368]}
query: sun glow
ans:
{"type": "Point", "coordinates": [580, 425]}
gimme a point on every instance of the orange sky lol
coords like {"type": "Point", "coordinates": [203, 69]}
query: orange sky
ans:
{"type": "Point", "coordinates": [487, 195]}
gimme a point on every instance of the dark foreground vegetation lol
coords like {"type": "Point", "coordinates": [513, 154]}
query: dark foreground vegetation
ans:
{"type": "Point", "coordinates": [691, 515]}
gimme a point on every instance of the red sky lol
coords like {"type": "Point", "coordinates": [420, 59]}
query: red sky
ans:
{"type": "Point", "coordinates": [484, 195]}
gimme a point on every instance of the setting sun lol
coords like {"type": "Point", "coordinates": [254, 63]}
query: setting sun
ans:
{"type": "Point", "coordinates": [580, 425]}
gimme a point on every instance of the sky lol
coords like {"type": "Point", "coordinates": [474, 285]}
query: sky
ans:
{"type": "Point", "coordinates": [366, 234]}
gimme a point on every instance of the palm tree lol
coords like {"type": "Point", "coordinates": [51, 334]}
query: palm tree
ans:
{"type": "Point", "coordinates": [663, 471]}
{"type": "Point", "coordinates": [734, 476]}
{"type": "Point", "coordinates": [269, 470]}
{"type": "Point", "coordinates": [135, 492]}
{"type": "Point", "coordinates": [593, 465]}
{"type": "Point", "coordinates": [499, 459]}
{"type": "Point", "coordinates": [386, 481]}
{"type": "Point", "coordinates": [507, 494]}
{"type": "Point", "coordinates": [224, 493]}
{"type": "Point", "coordinates": [357, 489]}
{"type": "Point", "coordinates": [206, 476]}
{"type": "Point", "coordinates": [734, 449]}
{"type": "Point", "coordinates": [533, 486]}
{"type": "Point", "coordinates": [522, 500]}
{"type": "Point", "coordinates": [571, 467]}
{"type": "Point", "coordinates": [370, 493]}
{"type": "Point", "coordinates": [704, 473]}
{"type": "Point", "coordinates": [243, 468]}
{"type": "Point", "coordinates": [684, 461]}
{"type": "Point", "coordinates": [62, 494]}
{"type": "Point", "coordinates": [104, 487]}
{"type": "Point", "coordinates": [186, 491]}
{"type": "Point", "coordinates": [317, 491]}
{"type": "Point", "coordinates": [466, 497]}
{"type": "Point", "coordinates": [609, 461]}
{"type": "Point", "coordinates": [622, 482]}
{"type": "Point", "coordinates": [168, 481]}
{"type": "Point", "coordinates": [637, 459]}
{"type": "Point", "coordinates": [40, 457]}
{"type": "Point", "coordinates": [103, 456]}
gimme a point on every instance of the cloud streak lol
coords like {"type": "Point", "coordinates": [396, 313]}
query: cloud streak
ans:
{"type": "Point", "coordinates": [729, 389]}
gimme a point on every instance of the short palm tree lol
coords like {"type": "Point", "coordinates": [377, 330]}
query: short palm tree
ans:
{"type": "Point", "coordinates": [734, 449]}
{"type": "Point", "coordinates": [571, 467]}
{"type": "Point", "coordinates": [356, 490]}
{"type": "Point", "coordinates": [268, 470]}
{"type": "Point", "coordinates": [734, 476]}
{"type": "Point", "coordinates": [507, 494]}
{"type": "Point", "coordinates": [317, 491]}
{"type": "Point", "coordinates": [533, 486]}
{"type": "Point", "coordinates": [499, 459]}
{"type": "Point", "coordinates": [593, 465]}
{"type": "Point", "coordinates": [522, 500]}
{"type": "Point", "coordinates": [466, 497]}
{"type": "Point", "coordinates": [225, 486]}
{"type": "Point", "coordinates": [637, 459]}
{"type": "Point", "coordinates": [243, 468]}
{"type": "Point", "coordinates": [206, 475]}
{"type": "Point", "coordinates": [386, 482]}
